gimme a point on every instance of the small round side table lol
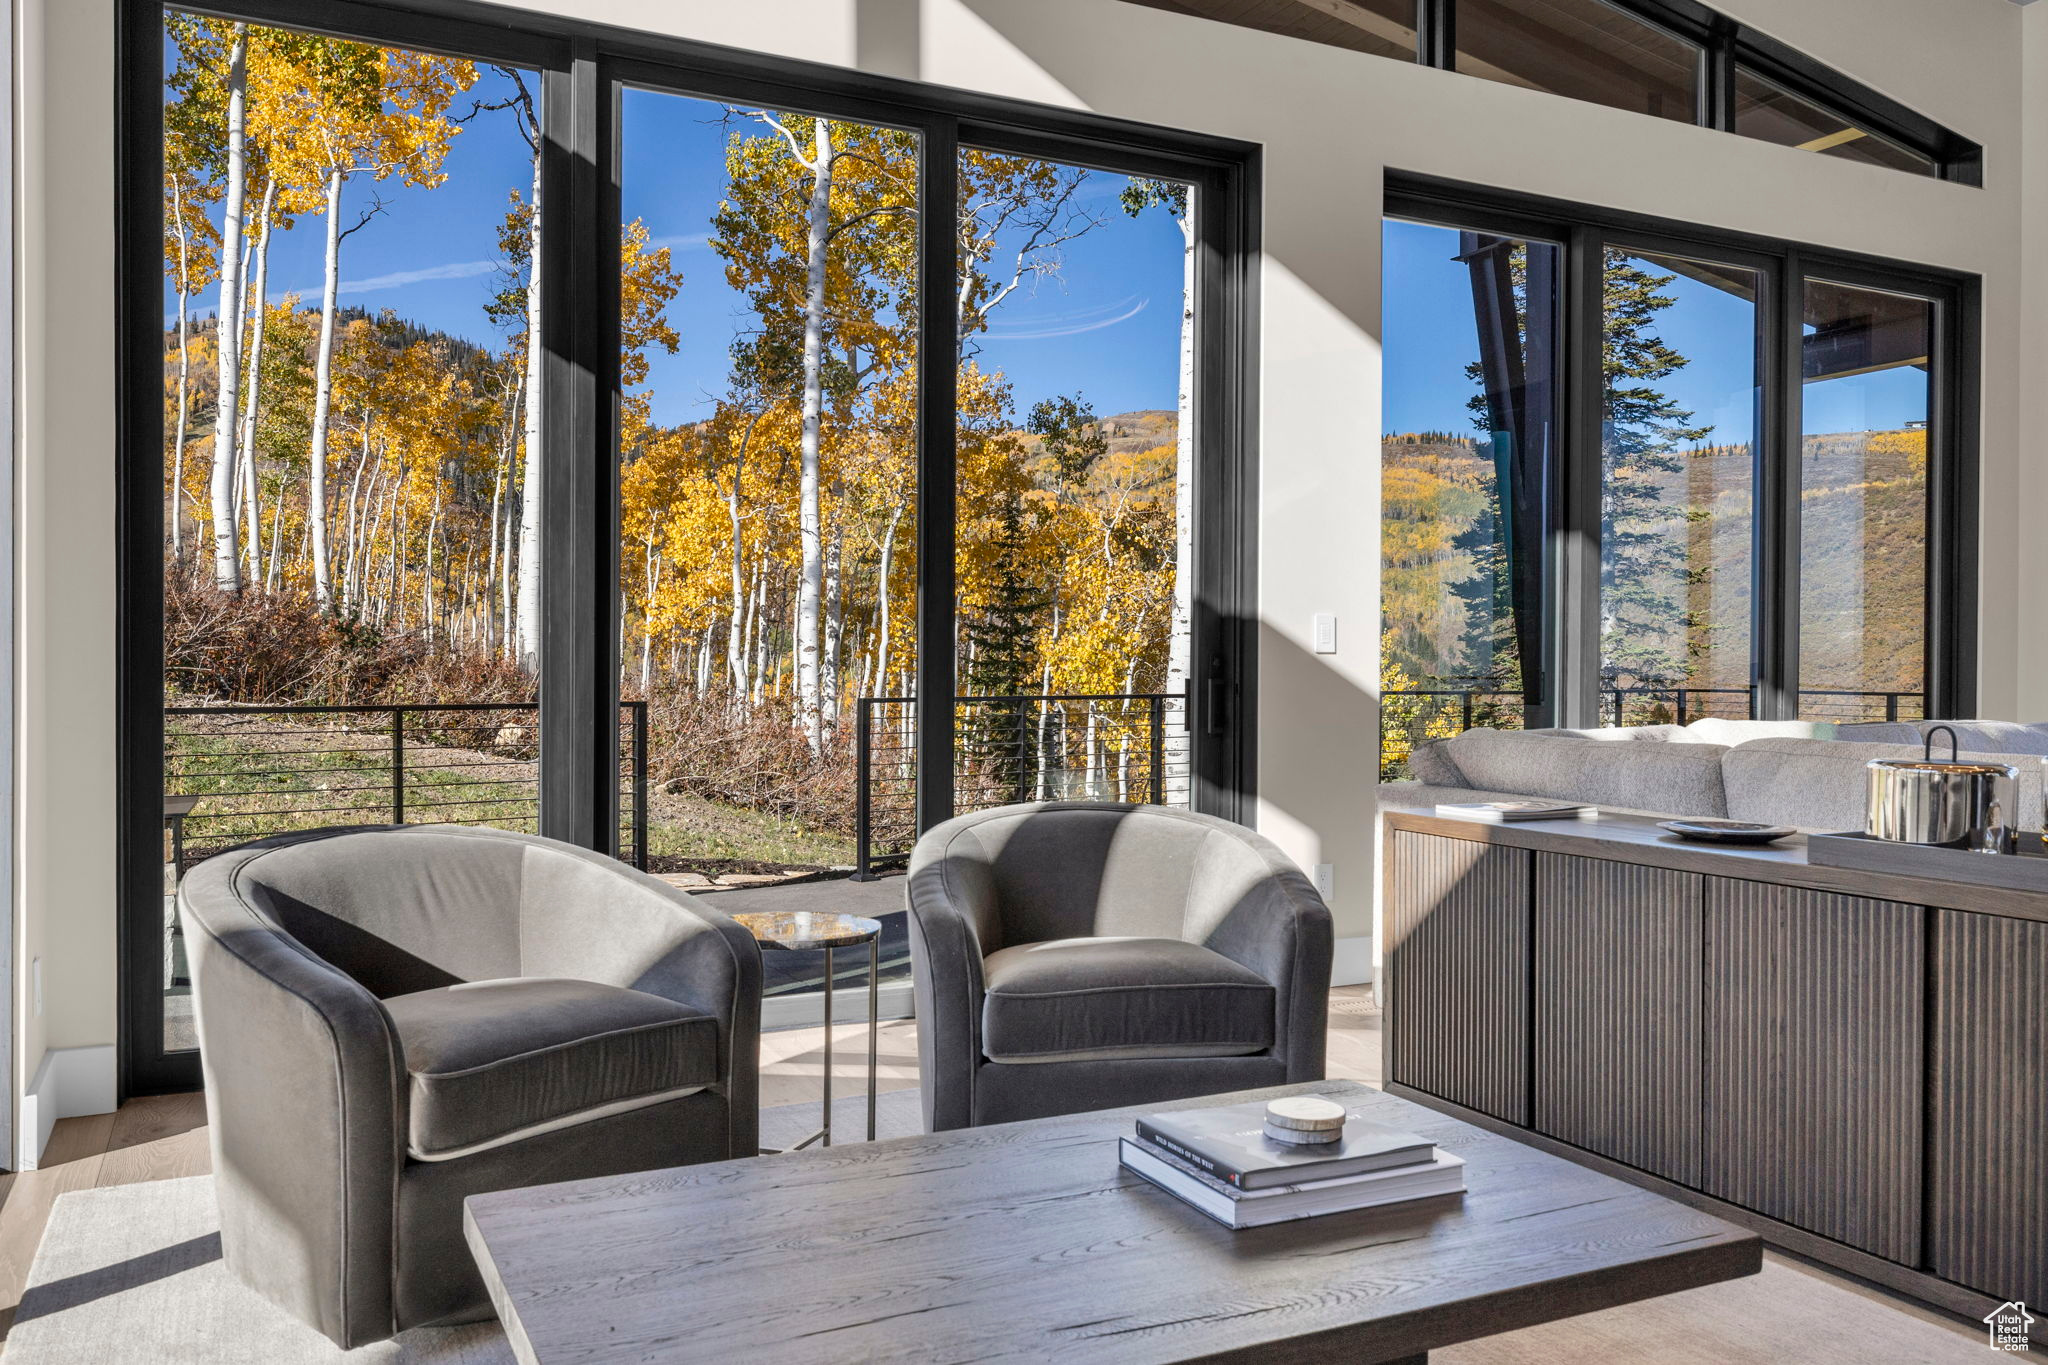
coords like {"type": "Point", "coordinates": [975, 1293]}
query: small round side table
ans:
{"type": "Point", "coordinates": [806, 930]}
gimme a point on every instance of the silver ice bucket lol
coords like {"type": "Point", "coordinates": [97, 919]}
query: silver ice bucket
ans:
{"type": "Point", "coordinates": [1948, 803]}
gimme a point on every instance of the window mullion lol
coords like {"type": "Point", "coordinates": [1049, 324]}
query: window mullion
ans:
{"type": "Point", "coordinates": [579, 664]}
{"type": "Point", "coordinates": [937, 348]}
{"type": "Point", "coordinates": [1436, 33]}
{"type": "Point", "coordinates": [1574, 577]}
{"type": "Point", "coordinates": [1775, 571]}
{"type": "Point", "coordinates": [1717, 81]}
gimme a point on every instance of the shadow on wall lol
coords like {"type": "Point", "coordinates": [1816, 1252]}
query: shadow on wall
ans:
{"type": "Point", "coordinates": [887, 37]}
{"type": "Point", "coordinates": [1318, 749]}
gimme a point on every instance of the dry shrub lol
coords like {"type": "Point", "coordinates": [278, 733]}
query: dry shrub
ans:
{"type": "Point", "coordinates": [757, 759]}
{"type": "Point", "coordinates": [258, 649]}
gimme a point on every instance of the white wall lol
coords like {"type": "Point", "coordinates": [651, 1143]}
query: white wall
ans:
{"type": "Point", "coordinates": [2029, 449]}
{"type": "Point", "coordinates": [64, 551]}
{"type": "Point", "coordinates": [1332, 123]}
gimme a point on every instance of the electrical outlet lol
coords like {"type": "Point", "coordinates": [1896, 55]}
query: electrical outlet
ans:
{"type": "Point", "coordinates": [1325, 633]}
{"type": "Point", "coordinates": [35, 975]}
{"type": "Point", "coordinates": [1326, 880]}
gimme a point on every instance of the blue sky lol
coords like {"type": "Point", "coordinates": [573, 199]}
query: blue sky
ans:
{"type": "Point", "coordinates": [1108, 327]}
{"type": "Point", "coordinates": [1429, 337]}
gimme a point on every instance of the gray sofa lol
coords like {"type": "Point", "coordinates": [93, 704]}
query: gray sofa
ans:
{"type": "Point", "coordinates": [1810, 783]}
{"type": "Point", "coordinates": [1073, 956]}
{"type": "Point", "coordinates": [393, 1019]}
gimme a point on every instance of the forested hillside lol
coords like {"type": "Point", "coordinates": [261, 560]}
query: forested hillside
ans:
{"type": "Point", "coordinates": [1863, 514]}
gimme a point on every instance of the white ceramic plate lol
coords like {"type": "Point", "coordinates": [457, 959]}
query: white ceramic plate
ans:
{"type": "Point", "coordinates": [1726, 831]}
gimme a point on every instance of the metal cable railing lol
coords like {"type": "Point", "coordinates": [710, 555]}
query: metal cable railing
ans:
{"type": "Point", "coordinates": [1128, 746]}
{"type": "Point", "coordinates": [237, 773]}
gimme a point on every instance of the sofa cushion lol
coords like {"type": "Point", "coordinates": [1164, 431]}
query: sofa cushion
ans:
{"type": "Point", "coordinates": [1621, 733]}
{"type": "Point", "coordinates": [1109, 999]}
{"type": "Point", "coordinates": [1423, 798]}
{"type": "Point", "coordinates": [1430, 761]}
{"type": "Point", "coordinates": [1879, 732]}
{"type": "Point", "coordinates": [1824, 785]}
{"type": "Point", "coordinates": [1715, 730]}
{"type": "Point", "coordinates": [1989, 737]}
{"type": "Point", "coordinates": [1670, 779]}
{"type": "Point", "coordinates": [491, 1062]}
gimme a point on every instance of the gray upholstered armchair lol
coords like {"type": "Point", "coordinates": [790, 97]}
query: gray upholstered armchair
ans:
{"type": "Point", "coordinates": [1073, 956]}
{"type": "Point", "coordinates": [393, 1019]}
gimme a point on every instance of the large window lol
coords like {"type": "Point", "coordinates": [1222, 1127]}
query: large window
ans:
{"type": "Point", "coordinates": [1867, 367]}
{"type": "Point", "coordinates": [1739, 518]}
{"type": "Point", "coordinates": [840, 464]}
{"type": "Point", "coordinates": [1581, 48]}
{"type": "Point", "coordinates": [1677, 507]}
{"type": "Point", "coordinates": [1470, 416]}
{"type": "Point", "coordinates": [1668, 59]}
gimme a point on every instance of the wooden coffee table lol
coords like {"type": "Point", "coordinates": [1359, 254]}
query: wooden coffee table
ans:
{"type": "Point", "coordinates": [1028, 1241]}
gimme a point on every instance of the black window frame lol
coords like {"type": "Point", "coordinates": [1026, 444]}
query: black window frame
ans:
{"type": "Point", "coordinates": [583, 66]}
{"type": "Point", "coordinates": [1568, 691]}
{"type": "Point", "coordinates": [1726, 46]}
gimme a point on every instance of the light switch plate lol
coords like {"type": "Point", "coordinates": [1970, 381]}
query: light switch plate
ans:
{"type": "Point", "coordinates": [1325, 634]}
{"type": "Point", "coordinates": [1326, 880]}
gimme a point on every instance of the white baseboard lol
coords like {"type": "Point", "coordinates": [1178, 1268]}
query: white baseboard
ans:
{"type": "Point", "coordinates": [70, 1082]}
{"type": "Point", "coordinates": [1351, 965]}
{"type": "Point", "coordinates": [849, 1006]}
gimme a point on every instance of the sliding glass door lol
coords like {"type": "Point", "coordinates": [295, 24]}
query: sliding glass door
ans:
{"type": "Point", "coordinates": [623, 442]}
{"type": "Point", "coordinates": [348, 561]}
{"type": "Point", "coordinates": [803, 559]}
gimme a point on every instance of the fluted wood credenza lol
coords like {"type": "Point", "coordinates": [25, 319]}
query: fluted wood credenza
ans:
{"type": "Point", "coordinates": [1853, 1064]}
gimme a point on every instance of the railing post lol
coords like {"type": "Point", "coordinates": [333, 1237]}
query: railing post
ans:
{"type": "Point", "coordinates": [1464, 711]}
{"type": "Point", "coordinates": [1681, 706]}
{"type": "Point", "coordinates": [639, 784]}
{"type": "Point", "coordinates": [1023, 744]}
{"type": "Point", "coordinates": [1158, 751]}
{"type": "Point", "coordinates": [398, 765]}
{"type": "Point", "coordinates": [1891, 706]}
{"type": "Point", "coordinates": [863, 787]}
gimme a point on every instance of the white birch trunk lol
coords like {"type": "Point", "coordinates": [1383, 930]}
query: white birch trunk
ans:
{"type": "Point", "coordinates": [177, 508]}
{"type": "Point", "coordinates": [736, 632]}
{"type": "Point", "coordinates": [323, 397]}
{"type": "Point", "coordinates": [530, 511]}
{"type": "Point", "coordinates": [809, 529]}
{"type": "Point", "coordinates": [227, 569]}
{"type": "Point", "coordinates": [835, 625]}
{"type": "Point", "coordinates": [253, 380]}
{"type": "Point", "coordinates": [882, 598]}
{"type": "Point", "coordinates": [1180, 629]}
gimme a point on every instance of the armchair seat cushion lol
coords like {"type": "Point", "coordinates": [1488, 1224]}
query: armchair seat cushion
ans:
{"type": "Point", "coordinates": [493, 1062]}
{"type": "Point", "coordinates": [1108, 999]}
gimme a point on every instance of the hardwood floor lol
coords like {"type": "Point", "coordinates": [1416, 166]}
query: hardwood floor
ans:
{"type": "Point", "coordinates": [1793, 1312]}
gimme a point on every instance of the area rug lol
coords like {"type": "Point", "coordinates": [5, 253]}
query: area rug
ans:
{"type": "Point", "coordinates": [131, 1275]}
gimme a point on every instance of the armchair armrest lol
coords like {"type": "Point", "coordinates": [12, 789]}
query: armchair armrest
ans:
{"type": "Point", "coordinates": [591, 918]}
{"type": "Point", "coordinates": [953, 920]}
{"type": "Point", "coordinates": [1250, 903]}
{"type": "Point", "coordinates": [305, 1103]}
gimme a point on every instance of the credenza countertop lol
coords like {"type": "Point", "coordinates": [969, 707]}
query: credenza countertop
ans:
{"type": "Point", "coordinates": [1637, 839]}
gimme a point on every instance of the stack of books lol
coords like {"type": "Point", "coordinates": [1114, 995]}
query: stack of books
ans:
{"type": "Point", "coordinates": [1222, 1162]}
{"type": "Point", "coordinates": [1507, 812]}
